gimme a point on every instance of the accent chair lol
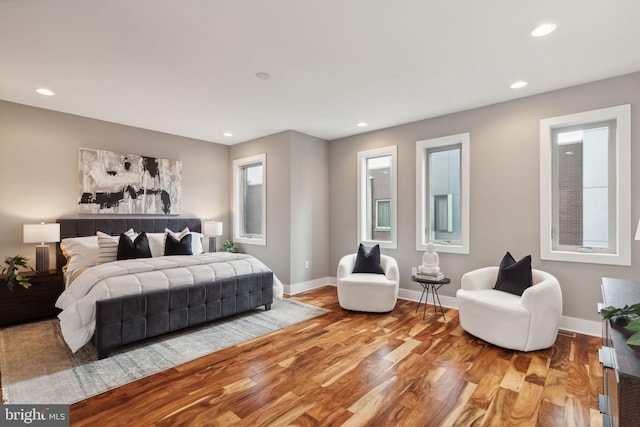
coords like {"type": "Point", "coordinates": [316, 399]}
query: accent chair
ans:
{"type": "Point", "coordinates": [368, 292]}
{"type": "Point", "coordinates": [526, 323]}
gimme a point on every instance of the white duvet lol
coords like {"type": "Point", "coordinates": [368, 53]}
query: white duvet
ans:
{"type": "Point", "coordinates": [135, 276]}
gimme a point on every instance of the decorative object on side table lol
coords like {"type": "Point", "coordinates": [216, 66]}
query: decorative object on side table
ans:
{"type": "Point", "coordinates": [229, 246]}
{"type": "Point", "coordinates": [435, 277]}
{"type": "Point", "coordinates": [12, 274]}
{"type": "Point", "coordinates": [430, 267]}
{"type": "Point", "coordinates": [430, 261]}
{"type": "Point", "coordinates": [627, 316]}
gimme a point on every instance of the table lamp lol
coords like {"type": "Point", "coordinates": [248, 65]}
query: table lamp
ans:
{"type": "Point", "coordinates": [212, 229]}
{"type": "Point", "coordinates": [41, 233]}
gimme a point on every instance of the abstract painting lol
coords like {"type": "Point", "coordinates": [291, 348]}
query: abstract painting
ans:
{"type": "Point", "coordinates": [118, 183]}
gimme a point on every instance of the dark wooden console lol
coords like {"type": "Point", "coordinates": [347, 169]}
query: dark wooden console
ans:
{"type": "Point", "coordinates": [620, 361]}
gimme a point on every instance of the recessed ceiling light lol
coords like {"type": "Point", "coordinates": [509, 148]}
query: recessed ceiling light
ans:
{"type": "Point", "coordinates": [543, 30]}
{"type": "Point", "coordinates": [44, 91]}
{"type": "Point", "coordinates": [228, 134]}
{"type": "Point", "coordinates": [263, 76]}
{"type": "Point", "coordinates": [362, 124]}
{"type": "Point", "coordinates": [518, 85]}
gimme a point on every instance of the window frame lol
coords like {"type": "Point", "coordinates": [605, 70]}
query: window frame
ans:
{"type": "Point", "coordinates": [379, 227]}
{"type": "Point", "coordinates": [238, 213]}
{"type": "Point", "coordinates": [423, 192]}
{"type": "Point", "coordinates": [621, 255]}
{"type": "Point", "coordinates": [438, 200]}
{"type": "Point", "coordinates": [362, 209]}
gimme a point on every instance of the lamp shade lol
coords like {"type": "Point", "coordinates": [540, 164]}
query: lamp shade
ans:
{"type": "Point", "coordinates": [212, 228]}
{"type": "Point", "coordinates": [40, 233]}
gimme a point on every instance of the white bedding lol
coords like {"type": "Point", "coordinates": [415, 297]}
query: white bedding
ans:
{"type": "Point", "coordinates": [135, 276]}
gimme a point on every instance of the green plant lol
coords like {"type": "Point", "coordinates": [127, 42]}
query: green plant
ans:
{"type": "Point", "coordinates": [628, 316]}
{"type": "Point", "coordinates": [13, 276]}
{"type": "Point", "coordinates": [229, 246]}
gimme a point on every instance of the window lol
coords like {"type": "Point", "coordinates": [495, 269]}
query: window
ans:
{"type": "Point", "coordinates": [442, 193]}
{"type": "Point", "coordinates": [383, 214]}
{"type": "Point", "coordinates": [377, 211]}
{"type": "Point", "coordinates": [249, 200]}
{"type": "Point", "coordinates": [585, 187]}
{"type": "Point", "coordinates": [442, 214]}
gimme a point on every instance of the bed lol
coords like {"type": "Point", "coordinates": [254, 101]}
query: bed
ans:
{"type": "Point", "coordinates": [121, 302]}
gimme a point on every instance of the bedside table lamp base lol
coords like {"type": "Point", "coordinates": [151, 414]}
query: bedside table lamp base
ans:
{"type": "Point", "coordinates": [42, 258]}
{"type": "Point", "coordinates": [212, 229]}
{"type": "Point", "coordinates": [212, 244]}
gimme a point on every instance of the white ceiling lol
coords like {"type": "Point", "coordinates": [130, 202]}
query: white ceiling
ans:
{"type": "Point", "coordinates": [188, 67]}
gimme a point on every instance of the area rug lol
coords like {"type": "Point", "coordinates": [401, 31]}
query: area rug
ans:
{"type": "Point", "coordinates": [37, 367]}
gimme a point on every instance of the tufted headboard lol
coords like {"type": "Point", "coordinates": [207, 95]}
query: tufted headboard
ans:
{"type": "Point", "coordinates": [78, 227]}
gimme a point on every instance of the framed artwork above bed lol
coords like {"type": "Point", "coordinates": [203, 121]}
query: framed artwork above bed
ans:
{"type": "Point", "coordinates": [120, 183]}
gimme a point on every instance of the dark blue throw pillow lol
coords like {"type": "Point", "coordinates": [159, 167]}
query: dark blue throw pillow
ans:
{"type": "Point", "coordinates": [173, 246]}
{"type": "Point", "coordinates": [514, 276]}
{"type": "Point", "coordinates": [368, 260]}
{"type": "Point", "coordinates": [138, 248]}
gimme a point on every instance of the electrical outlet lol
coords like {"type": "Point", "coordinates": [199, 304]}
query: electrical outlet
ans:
{"type": "Point", "coordinates": [306, 264]}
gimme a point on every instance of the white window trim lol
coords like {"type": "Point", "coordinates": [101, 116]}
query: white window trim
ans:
{"type": "Point", "coordinates": [238, 164]}
{"type": "Point", "coordinates": [362, 196]}
{"type": "Point", "coordinates": [378, 227]}
{"type": "Point", "coordinates": [622, 254]}
{"type": "Point", "coordinates": [422, 204]}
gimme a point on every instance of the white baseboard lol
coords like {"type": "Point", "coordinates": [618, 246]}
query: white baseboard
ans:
{"type": "Point", "coordinates": [581, 326]}
{"type": "Point", "coordinates": [296, 288]}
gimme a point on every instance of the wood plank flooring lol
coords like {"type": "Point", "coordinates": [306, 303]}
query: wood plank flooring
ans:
{"type": "Point", "coordinates": [357, 369]}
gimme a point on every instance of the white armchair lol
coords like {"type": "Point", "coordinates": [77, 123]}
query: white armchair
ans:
{"type": "Point", "coordinates": [526, 323]}
{"type": "Point", "coordinates": [369, 292]}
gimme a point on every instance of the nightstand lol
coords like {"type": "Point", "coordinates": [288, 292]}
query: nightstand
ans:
{"type": "Point", "coordinates": [37, 302]}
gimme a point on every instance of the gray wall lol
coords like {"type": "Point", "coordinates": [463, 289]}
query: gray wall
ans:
{"type": "Point", "coordinates": [277, 148]}
{"type": "Point", "coordinates": [39, 164]}
{"type": "Point", "coordinates": [309, 208]}
{"type": "Point", "coordinates": [297, 205]}
{"type": "Point", "coordinates": [505, 184]}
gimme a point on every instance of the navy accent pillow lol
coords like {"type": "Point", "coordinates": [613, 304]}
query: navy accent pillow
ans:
{"type": "Point", "coordinates": [173, 246]}
{"type": "Point", "coordinates": [514, 276]}
{"type": "Point", "coordinates": [368, 260]}
{"type": "Point", "coordinates": [138, 248]}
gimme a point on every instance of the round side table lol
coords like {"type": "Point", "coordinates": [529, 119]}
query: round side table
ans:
{"type": "Point", "coordinates": [433, 286]}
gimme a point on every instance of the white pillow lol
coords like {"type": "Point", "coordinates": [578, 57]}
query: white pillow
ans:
{"type": "Point", "coordinates": [80, 252]}
{"type": "Point", "coordinates": [196, 243]}
{"type": "Point", "coordinates": [108, 246]}
{"type": "Point", "coordinates": [196, 239]}
{"type": "Point", "coordinates": [156, 243]}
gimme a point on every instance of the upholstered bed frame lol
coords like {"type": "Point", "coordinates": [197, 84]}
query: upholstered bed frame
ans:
{"type": "Point", "coordinates": [133, 318]}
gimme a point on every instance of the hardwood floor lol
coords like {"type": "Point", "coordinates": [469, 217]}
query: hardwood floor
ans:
{"type": "Point", "coordinates": [356, 369]}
